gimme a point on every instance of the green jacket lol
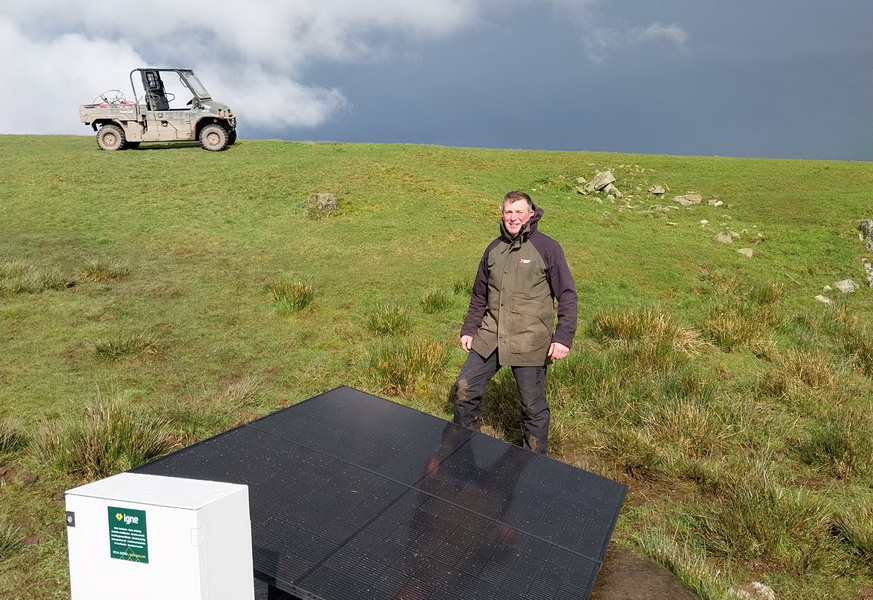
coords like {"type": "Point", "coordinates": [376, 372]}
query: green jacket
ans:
{"type": "Point", "coordinates": [512, 308]}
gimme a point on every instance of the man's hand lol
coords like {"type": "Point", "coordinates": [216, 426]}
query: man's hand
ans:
{"type": "Point", "coordinates": [556, 351]}
{"type": "Point", "coordinates": [466, 342]}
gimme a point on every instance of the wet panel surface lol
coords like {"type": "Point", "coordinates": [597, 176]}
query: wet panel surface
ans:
{"type": "Point", "coordinates": [353, 496]}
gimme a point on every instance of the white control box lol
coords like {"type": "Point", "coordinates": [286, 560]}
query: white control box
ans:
{"type": "Point", "coordinates": [148, 537]}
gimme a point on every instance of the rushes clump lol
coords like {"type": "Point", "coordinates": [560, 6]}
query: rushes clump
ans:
{"type": "Point", "coordinates": [858, 344]}
{"type": "Point", "coordinates": [289, 295]}
{"type": "Point", "coordinates": [407, 367]}
{"type": "Point", "coordinates": [462, 287]}
{"type": "Point", "coordinates": [390, 319]}
{"type": "Point", "coordinates": [22, 278]}
{"type": "Point", "coordinates": [853, 527]}
{"type": "Point", "coordinates": [797, 371]}
{"type": "Point", "coordinates": [145, 342]}
{"type": "Point", "coordinates": [435, 301]}
{"type": "Point", "coordinates": [10, 537]}
{"type": "Point", "coordinates": [647, 325]}
{"type": "Point", "coordinates": [752, 517]}
{"type": "Point", "coordinates": [103, 271]}
{"type": "Point", "coordinates": [842, 443]}
{"type": "Point", "coordinates": [743, 317]}
{"type": "Point", "coordinates": [12, 436]}
{"type": "Point", "coordinates": [106, 438]}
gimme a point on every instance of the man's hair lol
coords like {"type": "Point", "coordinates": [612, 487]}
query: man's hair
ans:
{"type": "Point", "coordinates": [515, 196]}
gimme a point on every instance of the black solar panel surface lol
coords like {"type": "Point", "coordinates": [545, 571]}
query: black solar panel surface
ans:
{"type": "Point", "coordinates": [355, 497]}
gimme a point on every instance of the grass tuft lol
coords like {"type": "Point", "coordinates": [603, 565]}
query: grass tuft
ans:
{"type": "Point", "coordinates": [145, 342]}
{"type": "Point", "coordinates": [797, 371]}
{"type": "Point", "coordinates": [407, 367]}
{"type": "Point", "coordinates": [290, 296]}
{"type": "Point", "coordinates": [647, 325]}
{"type": "Point", "coordinates": [752, 517]}
{"type": "Point", "coordinates": [105, 439]}
{"type": "Point", "coordinates": [853, 527]}
{"type": "Point", "coordinates": [22, 278]}
{"type": "Point", "coordinates": [842, 443]}
{"type": "Point", "coordinates": [390, 319]}
{"type": "Point", "coordinates": [12, 436]}
{"type": "Point", "coordinates": [462, 287]}
{"type": "Point", "coordinates": [10, 537]}
{"type": "Point", "coordinates": [104, 271]}
{"type": "Point", "coordinates": [435, 301]}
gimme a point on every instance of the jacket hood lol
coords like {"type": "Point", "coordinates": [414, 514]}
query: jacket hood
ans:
{"type": "Point", "coordinates": [527, 229]}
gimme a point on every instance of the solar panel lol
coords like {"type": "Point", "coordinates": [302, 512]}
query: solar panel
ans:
{"type": "Point", "coordinates": [353, 496]}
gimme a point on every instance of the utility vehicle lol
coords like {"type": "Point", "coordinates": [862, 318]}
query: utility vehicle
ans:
{"type": "Point", "coordinates": [160, 113]}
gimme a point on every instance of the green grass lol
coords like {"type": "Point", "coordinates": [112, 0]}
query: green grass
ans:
{"type": "Point", "coordinates": [194, 288]}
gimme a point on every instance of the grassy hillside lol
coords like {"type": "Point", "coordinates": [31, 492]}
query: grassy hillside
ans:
{"type": "Point", "coordinates": [154, 297]}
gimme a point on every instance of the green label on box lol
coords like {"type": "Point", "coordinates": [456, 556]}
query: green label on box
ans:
{"type": "Point", "coordinates": [128, 539]}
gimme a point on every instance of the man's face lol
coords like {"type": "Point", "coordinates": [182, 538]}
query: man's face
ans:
{"type": "Point", "coordinates": [515, 215]}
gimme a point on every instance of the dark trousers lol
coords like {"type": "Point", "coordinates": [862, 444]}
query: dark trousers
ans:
{"type": "Point", "coordinates": [531, 383]}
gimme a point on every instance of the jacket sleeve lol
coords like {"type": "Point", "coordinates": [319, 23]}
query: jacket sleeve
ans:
{"type": "Point", "coordinates": [478, 299]}
{"type": "Point", "coordinates": [564, 291]}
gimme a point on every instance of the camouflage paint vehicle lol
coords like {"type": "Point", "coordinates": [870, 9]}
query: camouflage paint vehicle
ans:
{"type": "Point", "coordinates": [159, 114]}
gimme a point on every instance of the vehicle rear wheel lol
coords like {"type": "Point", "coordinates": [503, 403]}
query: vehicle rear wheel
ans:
{"type": "Point", "coordinates": [214, 138]}
{"type": "Point", "coordinates": [110, 137]}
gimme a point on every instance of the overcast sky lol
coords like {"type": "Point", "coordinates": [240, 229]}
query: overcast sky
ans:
{"type": "Point", "coordinates": [763, 78]}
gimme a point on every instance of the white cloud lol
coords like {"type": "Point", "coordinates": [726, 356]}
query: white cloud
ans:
{"type": "Point", "coordinates": [257, 51]}
{"type": "Point", "coordinates": [657, 32]}
{"type": "Point", "coordinates": [254, 55]}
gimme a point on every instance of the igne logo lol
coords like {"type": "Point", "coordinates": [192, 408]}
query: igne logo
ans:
{"type": "Point", "coordinates": [128, 519]}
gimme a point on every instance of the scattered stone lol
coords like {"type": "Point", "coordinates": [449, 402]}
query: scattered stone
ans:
{"type": "Point", "coordinates": [600, 181]}
{"type": "Point", "coordinates": [580, 180]}
{"type": "Point", "coordinates": [321, 205]}
{"type": "Point", "coordinates": [828, 288]}
{"type": "Point", "coordinates": [704, 222]}
{"type": "Point", "coordinates": [611, 198]}
{"type": "Point", "coordinates": [689, 199]}
{"type": "Point", "coordinates": [658, 190]}
{"type": "Point", "coordinates": [735, 235]}
{"type": "Point", "coordinates": [866, 229]}
{"type": "Point", "coordinates": [746, 252]}
{"type": "Point", "coordinates": [611, 189]}
{"type": "Point", "coordinates": [580, 189]}
{"type": "Point", "coordinates": [724, 237]}
{"type": "Point", "coordinates": [847, 286]}
{"type": "Point", "coordinates": [715, 201]}
{"type": "Point", "coordinates": [868, 268]}
{"type": "Point", "coordinates": [755, 590]}
{"type": "Point", "coordinates": [823, 299]}
{"type": "Point", "coordinates": [671, 223]}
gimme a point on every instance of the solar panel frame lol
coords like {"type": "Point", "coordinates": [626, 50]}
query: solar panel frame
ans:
{"type": "Point", "coordinates": [354, 496]}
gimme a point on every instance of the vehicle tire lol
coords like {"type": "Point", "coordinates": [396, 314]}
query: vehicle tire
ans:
{"type": "Point", "coordinates": [110, 137]}
{"type": "Point", "coordinates": [214, 137]}
{"type": "Point", "coordinates": [231, 137]}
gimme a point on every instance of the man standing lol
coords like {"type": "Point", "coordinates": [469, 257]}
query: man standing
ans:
{"type": "Point", "coordinates": [511, 319]}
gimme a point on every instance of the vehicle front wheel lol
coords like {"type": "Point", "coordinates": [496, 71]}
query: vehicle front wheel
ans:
{"type": "Point", "coordinates": [214, 138]}
{"type": "Point", "coordinates": [110, 137]}
{"type": "Point", "coordinates": [231, 137]}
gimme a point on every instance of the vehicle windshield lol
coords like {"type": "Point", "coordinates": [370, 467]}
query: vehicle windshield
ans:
{"type": "Point", "coordinates": [192, 83]}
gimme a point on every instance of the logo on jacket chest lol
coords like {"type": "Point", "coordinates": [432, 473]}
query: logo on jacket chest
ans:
{"type": "Point", "coordinates": [524, 260]}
